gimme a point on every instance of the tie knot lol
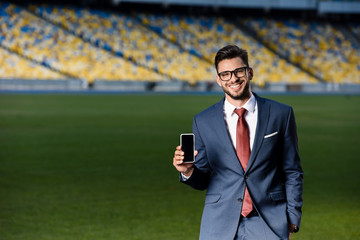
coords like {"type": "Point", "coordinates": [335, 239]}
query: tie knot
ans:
{"type": "Point", "coordinates": [240, 112]}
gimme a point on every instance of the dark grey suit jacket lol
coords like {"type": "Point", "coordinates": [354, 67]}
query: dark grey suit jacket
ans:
{"type": "Point", "coordinates": [274, 175]}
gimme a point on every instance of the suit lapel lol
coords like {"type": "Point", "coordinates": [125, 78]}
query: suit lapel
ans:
{"type": "Point", "coordinates": [262, 122]}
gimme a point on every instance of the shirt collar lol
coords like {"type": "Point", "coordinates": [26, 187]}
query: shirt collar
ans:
{"type": "Point", "coordinates": [249, 106]}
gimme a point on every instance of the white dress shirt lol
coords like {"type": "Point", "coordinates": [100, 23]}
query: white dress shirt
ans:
{"type": "Point", "coordinates": [251, 117]}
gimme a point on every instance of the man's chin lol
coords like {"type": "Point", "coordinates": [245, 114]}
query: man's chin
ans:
{"type": "Point", "coordinates": [238, 96]}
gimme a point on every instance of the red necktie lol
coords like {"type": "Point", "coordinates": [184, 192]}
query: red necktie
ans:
{"type": "Point", "coordinates": [243, 153]}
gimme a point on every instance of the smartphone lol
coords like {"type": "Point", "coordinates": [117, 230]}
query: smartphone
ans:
{"type": "Point", "coordinates": [187, 142]}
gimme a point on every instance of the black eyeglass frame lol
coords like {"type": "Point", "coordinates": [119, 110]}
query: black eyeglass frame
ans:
{"type": "Point", "coordinates": [233, 72]}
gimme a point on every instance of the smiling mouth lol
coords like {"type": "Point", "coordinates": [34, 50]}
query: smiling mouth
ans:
{"type": "Point", "coordinates": [237, 85]}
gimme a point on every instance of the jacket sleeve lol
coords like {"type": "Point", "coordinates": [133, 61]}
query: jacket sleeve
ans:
{"type": "Point", "coordinates": [201, 174]}
{"type": "Point", "coordinates": [292, 171]}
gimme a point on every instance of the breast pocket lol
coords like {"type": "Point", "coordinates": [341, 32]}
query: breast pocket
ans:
{"type": "Point", "coordinates": [271, 137]}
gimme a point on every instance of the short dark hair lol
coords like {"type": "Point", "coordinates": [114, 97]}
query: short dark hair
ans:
{"type": "Point", "coordinates": [229, 52]}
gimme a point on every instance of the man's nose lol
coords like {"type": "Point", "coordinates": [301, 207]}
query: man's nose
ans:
{"type": "Point", "coordinates": [234, 77]}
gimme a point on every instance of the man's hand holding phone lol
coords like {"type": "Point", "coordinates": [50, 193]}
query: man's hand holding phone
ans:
{"type": "Point", "coordinates": [184, 156]}
{"type": "Point", "coordinates": [178, 161]}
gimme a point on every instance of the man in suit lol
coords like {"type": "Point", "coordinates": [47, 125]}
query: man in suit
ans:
{"type": "Point", "coordinates": [247, 158]}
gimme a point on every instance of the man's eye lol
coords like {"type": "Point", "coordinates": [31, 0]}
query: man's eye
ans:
{"type": "Point", "coordinates": [225, 74]}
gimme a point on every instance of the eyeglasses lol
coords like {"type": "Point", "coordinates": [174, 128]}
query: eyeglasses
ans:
{"type": "Point", "coordinates": [226, 75]}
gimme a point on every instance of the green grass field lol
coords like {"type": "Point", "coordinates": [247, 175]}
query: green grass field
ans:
{"type": "Point", "coordinates": [100, 166]}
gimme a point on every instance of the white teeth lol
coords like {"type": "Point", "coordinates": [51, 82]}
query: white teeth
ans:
{"type": "Point", "coordinates": [235, 86]}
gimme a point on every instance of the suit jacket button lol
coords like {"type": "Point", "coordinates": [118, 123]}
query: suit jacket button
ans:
{"type": "Point", "coordinates": [240, 199]}
{"type": "Point", "coordinates": [246, 176]}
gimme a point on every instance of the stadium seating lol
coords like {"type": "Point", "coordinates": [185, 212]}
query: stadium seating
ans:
{"type": "Point", "coordinates": [37, 39]}
{"type": "Point", "coordinates": [318, 47]}
{"type": "Point", "coordinates": [205, 35]}
{"type": "Point", "coordinates": [95, 44]}
{"type": "Point", "coordinates": [125, 36]}
{"type": "Point", "coordinates": [14, 66]}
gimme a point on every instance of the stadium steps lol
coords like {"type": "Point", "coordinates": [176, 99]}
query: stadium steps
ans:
{"type": "Point", "coordinates": [253, 33]}
{"type": "Point", "coordinates": [95, 44]}
{"type": "Point", "coordinates": [66, 74]}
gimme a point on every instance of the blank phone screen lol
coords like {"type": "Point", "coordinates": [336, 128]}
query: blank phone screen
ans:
{"type": "Point", "coordinates": [187, 146]}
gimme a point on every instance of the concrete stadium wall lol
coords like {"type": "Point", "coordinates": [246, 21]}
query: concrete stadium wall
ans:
{"type": "Point", "coordinates": [176, 86]}
{"type": "Point", "coordinates": [31, 84]}
{"type": "Point", "coordinates": [314, 88]}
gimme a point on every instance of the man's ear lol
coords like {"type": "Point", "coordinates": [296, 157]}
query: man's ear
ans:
{"type": "Point", "coordinates": [251, 73]}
